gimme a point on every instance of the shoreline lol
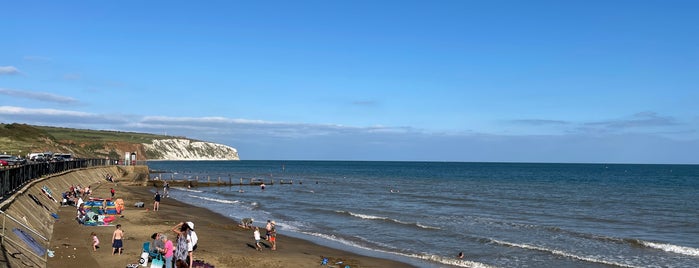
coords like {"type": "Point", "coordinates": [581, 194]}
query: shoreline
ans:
{"type": "Point", "coordinates": [221, 241]}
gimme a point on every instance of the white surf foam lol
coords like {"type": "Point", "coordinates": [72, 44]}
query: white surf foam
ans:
{"type": "Point", "coordinates": [425, 257]}
{"type": "Point", "coordinates": [673, 248]}
{"type": "Point", "coordinates": [187, 190]}
{"type": "Point", "coordinates": [563, 253]}
{"type": "Point", "coordinates": [215, 199]}
{"type": "Point", "coordinates": [372, 217]}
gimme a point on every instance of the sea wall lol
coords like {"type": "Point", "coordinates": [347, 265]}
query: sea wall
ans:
{"type": "Point", "coordinates": [36, 217]}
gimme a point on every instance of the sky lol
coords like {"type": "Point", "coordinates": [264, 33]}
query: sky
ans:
{"type": "Point", "coordinates": [468, 81]}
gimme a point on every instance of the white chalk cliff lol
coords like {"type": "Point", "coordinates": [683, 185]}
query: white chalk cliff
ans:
{"type": "Point", "coordinates": [184, 149]}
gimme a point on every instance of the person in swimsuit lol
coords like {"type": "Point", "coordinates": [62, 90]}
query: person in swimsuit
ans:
{"type": "Point", "coordinates": [117, 237]}
{"type": "Point", "coordinates": [95, 241]}
{"type": "Point", "coordinates": [156, 204]}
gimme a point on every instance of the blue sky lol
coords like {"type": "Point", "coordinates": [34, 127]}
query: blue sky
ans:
{"type": "Point", "coordinates": [513, 81]}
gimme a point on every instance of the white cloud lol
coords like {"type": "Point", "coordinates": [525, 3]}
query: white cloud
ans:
{"type": "Point", "coordinates": [12, 110]}
{"type": "Point", "coordinates": [8, 70]}
{"type": "Point", "coordinates": [259, 139]}
{"type": "Point", "coordinates": [41, 96]}
{"type": "Point", "coordinates": [57, 117]}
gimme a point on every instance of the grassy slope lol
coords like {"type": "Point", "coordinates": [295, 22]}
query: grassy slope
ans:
{"type": "Point", "coordinates": [20, 139]}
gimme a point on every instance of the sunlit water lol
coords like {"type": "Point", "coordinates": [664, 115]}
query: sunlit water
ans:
{"type": "Point", "coordinates": [498, 214]}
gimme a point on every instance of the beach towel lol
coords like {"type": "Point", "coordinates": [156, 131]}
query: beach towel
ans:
{"type": "Point", "coordinates": [201, 264]}
{"type": "Point", "coordinates": [96, 206]}
{"type": "Point", "coordinates": [30, 241]}
{"type": "Point", "coordinates": [48, 193]}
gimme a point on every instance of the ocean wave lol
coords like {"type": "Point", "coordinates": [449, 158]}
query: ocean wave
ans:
{"type": "Point", "coordinates": [187, 190]}
{"type": "Point", "coordinates": [426, 257]}
{"type": "Point", "coordinates": [448, 260]}
{"type": "Point", "coordinates": [372, 217]}
{"type": "Point", "coordinates": [689, 251]}
{"type": "Point", "coordinates": [562, 253]}
{"type": "Point", "coordinates": [216, 200]}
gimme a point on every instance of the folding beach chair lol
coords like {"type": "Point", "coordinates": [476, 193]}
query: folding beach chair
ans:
{"type": "Point", "coordinates": [146, 248]}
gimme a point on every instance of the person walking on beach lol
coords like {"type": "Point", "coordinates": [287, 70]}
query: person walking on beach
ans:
{"type": "Point", "coordinates": [166, 189]}
{"type": "Point", "coordinates": [95, 241]}
{"type": "Point", "coordinates": [117, 243]}
{"type": "Point", "coordinates": [156, 204]}
{"type": "Point", "coordinates": [256, 235]}
{"type": "Point", "coordinates": [111, 190]}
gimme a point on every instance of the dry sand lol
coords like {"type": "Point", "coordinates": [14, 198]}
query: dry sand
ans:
{"type": "Point", "coordinates": [221, 241]}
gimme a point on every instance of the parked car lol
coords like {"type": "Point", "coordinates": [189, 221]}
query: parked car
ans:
{"type": "Point", "coordinates": [9, 159]}
{"type": "Point", "coordinates": [4, 163]}
{"type": "Point", "coordinates": [19, 160]}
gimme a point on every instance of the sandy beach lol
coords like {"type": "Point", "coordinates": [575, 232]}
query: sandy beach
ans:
{"type": "Point", "coordinates": [222, 242]}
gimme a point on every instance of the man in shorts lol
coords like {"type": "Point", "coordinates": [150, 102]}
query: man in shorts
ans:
{"type": "Point", "coordinates": [117, 237]}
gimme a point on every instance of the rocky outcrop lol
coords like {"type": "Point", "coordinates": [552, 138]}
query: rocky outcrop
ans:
{"type": "Point", "coordinates": [184, 149]}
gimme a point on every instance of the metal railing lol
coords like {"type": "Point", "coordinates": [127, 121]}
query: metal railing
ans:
{"type": "Point", "coordinates": [14, 178]}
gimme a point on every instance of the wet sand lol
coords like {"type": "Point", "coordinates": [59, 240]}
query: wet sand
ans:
{"type": "Point", "coordinates": [221, 241]}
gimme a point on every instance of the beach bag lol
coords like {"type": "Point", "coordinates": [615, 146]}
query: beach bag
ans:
{"type": "Point", "coordinates": [158, 262]}
{"type": "Point", "coordinates": [144, 259]}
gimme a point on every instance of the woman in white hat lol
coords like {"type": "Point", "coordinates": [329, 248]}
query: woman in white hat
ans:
{"type": "Point", "coordinates": [186, 241]}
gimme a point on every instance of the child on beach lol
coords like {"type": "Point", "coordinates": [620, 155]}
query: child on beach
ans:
{"type": "Point", "coordinates": [256, 235]}
{"type": "Point", "coordinates": [273, 236]}
{"type": "Point", "coordinates": [117, 243]}
{"type": "Point", "coordinates": [269, 229]}
{"type": "Point", "coordinates": [95, 241]}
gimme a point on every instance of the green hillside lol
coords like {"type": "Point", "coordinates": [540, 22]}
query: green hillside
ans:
{"type": "Point", "coordinates": [21, 139]}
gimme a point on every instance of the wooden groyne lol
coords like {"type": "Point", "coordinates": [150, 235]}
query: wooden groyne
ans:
{"type": "Point", "coordinates": [219, 181]}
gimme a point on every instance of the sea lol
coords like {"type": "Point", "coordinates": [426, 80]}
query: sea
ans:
{"type": "Point", "coordinates": [497, 214]}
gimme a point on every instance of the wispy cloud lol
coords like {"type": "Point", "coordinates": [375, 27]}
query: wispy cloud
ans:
{"type": "Point", "coordinates": [256, 127]}
{"type": "Point", "coordinates": [259, 139]}
{"type": "Point", "coordinates": [538, 122]}
{"type": "Point", "coordinates": [638, 120]}
{"type": "Point", "coordinates": [57, 117]}
{"type": "Point", "coordinates": [71, 77]}
{"type": "Point", "coordinates": [8, 70]}
{"type": "Point", "coordinates": [41, 96]}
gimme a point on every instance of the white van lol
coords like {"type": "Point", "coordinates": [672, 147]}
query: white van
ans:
{"type": "Point", "coordinates": [33, 156]}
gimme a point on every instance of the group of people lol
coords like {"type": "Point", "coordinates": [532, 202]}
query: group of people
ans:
{"type": "Point", "coordinates": [74, 195]}
{"type": "Point", "coordinates": [179, 252]}
{"type": "Point", "coordinates": [270, 236]}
